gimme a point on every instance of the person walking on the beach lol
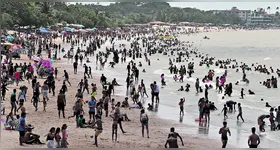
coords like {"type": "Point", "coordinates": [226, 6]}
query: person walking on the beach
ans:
{"type": "Point", "coordinates": [98, 129]}
{"type": "Point", "coordinates": [224, 131]}
{"type": "Point", "coordinates": [91, 112]}
{"type": "Point", "coordinates": [172, 139]}
{"type": "Point", "coordinates": [144, 119]}
{"type": "Point", "coordinates": [21, 128]}
{"type": "Point", "coordinates": [66, 77]}
{"type": "Point", "coordinates": [13, 102]}
{"type": "Point", "coordinates": [75, 66]}
{"type": "Point", "coordinates": [50, 138]}
{"type": "Point", "coordinates": [181, 104]}
{"type": "Point", "coordinates": [21, 99]}
{"type": "Point", "coordinates": [240, 112]}
{"type": "Point", "coordinates": [61, 103]}
{"type": "Point", "coordinates": [155, 92]}
{"type": "Point", "coordinates": [64, 143]}
{"type": "Point", "coordinates": [115, 117]}
{"type": "Point", "coordinates": [225, 110]}
{"type": "Point", "coordinates": [254, 139]}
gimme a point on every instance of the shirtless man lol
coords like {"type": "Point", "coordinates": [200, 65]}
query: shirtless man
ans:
{"type": "Point", "coordinates": [224, 131]}
{"type": "Point", "coordinates": [254, 139]}
{"type": "Point", "coordinates": [172, 139]}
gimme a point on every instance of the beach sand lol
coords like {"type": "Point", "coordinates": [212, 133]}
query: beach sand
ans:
{"type": "Point", "coordinates": [80, 138]}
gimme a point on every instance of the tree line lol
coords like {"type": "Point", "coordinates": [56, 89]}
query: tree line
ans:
{"type": "Point", "coordinates": [42, 14]}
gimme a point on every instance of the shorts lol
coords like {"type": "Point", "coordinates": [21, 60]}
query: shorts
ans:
{"type": "Point", "coordinates": [60, 106]}
{"type": "Point", "coordinates": [21, 133]}
{"type": "Point", "coordinates": [21, 101]}
{"type": "Point", "coordinates": [106, 106]}
{"type": "Point", "coordinates": [253, 146]}
{"type": "Point", "coordinates": [156, 94]}
{"type": "Point", "coordinates": [91, 113]}
{"type": "Point", "coordinates": [97, 132]}
{"type": "Point", "coordinates": [120, 120]}
{"type": "Point", "coordinates": [44, 92]}
{"type": "Point", "coordinates": [224, 138]}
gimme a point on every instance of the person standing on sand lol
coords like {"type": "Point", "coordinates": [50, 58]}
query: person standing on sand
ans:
{"type": "Point", "coordinates": [14, 101]}
{"type": "Point", "coordinates": [144, 119]}
{"type": "Point", "coordinates": [181, 104]}
{"type": "Point", "coordinates": [21, 128]}
{"type": "Point", "coordinates": [172, 139]}
{"type": "Point", "coordinates": [98, 129]}
{"type": "Point", "coordinates": [224, 131]}
{"type": "Point", "coordinates": [91, 112]}
{"type": "Point", "coordinates": [64, 143]}
{"type": "Point", "coordinates": [254, 139]}
{"type": "Point", "coordinates": [75, 66]}
{"type": "Point", "coordinates": [115, 117]}
{"type": "Point", "coordinates": [61, 103]}
{"type": "Point", "coordinates": [156, 92]}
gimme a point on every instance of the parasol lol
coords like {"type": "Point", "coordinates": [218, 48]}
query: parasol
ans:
{"type": "Point", "coordinates": [44, 30]}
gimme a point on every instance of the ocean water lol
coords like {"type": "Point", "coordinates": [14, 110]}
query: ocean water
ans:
{"type": "Point", "coordinates": [245, 46]}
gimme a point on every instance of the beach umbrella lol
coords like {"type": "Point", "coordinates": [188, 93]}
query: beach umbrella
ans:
{"type": "Point", "coordinates": [89, 29]}
{"type": "Point", "coordinates": [43, 30]}
{"type": "Point", "coordinates": [10, 38]}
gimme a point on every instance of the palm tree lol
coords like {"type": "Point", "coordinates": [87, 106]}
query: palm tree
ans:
{"type": "Point", "coordinates": [268, 8]}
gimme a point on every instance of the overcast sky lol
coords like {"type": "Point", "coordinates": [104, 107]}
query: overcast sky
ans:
{"type": "Point", "coordinates": [221, 5]}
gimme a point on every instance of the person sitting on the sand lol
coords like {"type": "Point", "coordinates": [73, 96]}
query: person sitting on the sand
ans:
{"type": "Point", "coordinates": [115, 83]}
{"type": "Point", "coordinates": [181, 88]}
{"type": "Point", "coordinates": [31, 138]}
{"type": "Point", "coordinates": [125, 103]}
{"type": "Point", "coordinates": [82, 122]}
{"type": "Point", "coordinates": [150, 107]}
{"type": "Point", "coordinates": [143, 70]}
{"type": "Point", "coordinates": [251, 92]}
{"type": "Point", "coordinates": [10, 121]}
{"type": "Point", "coordinates": [267, 105]}
{"type": "Point", "coordinates": [88, 60]}
{"type": "Point", "coordinates": [138, 105]}
{"type": "Point", "coordinates": [140, 64]}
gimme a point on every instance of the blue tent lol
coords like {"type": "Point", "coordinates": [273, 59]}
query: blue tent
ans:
{"type": "Point", "coordinates": [67, 29]}
{"type": "Point", "coordinates": [44, 30]}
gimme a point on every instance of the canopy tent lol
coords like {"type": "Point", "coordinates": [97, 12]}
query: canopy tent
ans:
{"type": "Point", "coordinates": [67, 29]}
{"type": "Point", "coordinates": [44, 30]}
{"type": "Point", "coordinates": [82, 30]}
{"type": "Point", "coordinates": [77, 25]}
{"type": "Point", "coordinates": [7, 44]}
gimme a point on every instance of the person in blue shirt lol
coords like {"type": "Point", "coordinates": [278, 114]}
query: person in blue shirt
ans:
{"type": "Point", "coordinates": [92, 105]}
{"type": "Point", "coordinates": [21, 128]}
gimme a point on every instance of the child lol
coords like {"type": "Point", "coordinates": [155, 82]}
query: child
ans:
{"type": "Point", "coordinates": [55, 72]}
{"type": "Point", "coordinates": [35, 101]}
{"type": "Point", "coordinates": [225, 110]}
{"type": "Point", "coordinates": [242, 93]}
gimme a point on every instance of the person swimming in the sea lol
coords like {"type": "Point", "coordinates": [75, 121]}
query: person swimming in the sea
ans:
{"type": "Point", "coordinates": [143, 70]}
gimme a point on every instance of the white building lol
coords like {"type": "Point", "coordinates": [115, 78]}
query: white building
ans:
{"type": "Point", "coordinates": [243, 14]}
